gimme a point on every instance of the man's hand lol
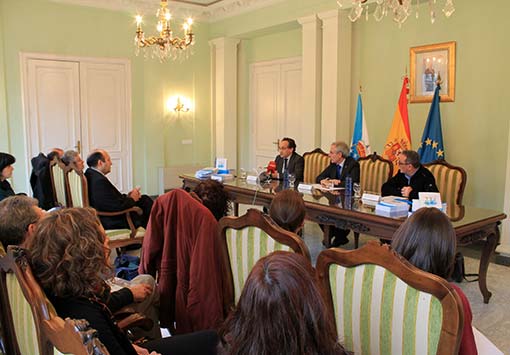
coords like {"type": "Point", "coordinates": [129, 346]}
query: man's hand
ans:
{"type": "Point", "coordinates": [274, 175]}
{"type": "Point", "coordinates": [330, 182]}
{"type": "Point", "coordinates": [143, 351]}
{"type": "Point", "coordinates": [140, 291]}
{"type": "Point", "coordinates": [406, 191]}
{"type": "Point", "coordinates": [135, 194]}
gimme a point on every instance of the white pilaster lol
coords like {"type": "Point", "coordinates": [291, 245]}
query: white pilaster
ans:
{"type": "Point", "coordinates": [312, 80]}
{"type": "Point", "coordinates": [336, 77]}
{"type": "Point", "coordinates": [224, 96]}
{"type": "Point", "coordinates": [504, 247]}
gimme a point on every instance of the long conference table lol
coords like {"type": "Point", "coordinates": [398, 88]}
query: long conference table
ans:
{"type": "Point", "coordinates": [334, 209]}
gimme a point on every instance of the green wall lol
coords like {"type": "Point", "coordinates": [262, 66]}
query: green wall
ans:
{"type": "Point", "coordinates": [47, 27]}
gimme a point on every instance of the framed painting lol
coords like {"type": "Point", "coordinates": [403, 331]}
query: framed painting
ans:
{"type": "Point", "coordinates": [429, 64]}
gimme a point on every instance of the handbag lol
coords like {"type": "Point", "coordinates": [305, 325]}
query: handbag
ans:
{"type": "Point", "coordinates": [459, 270]}
{"type": "Point", "coordinates": [126, 266]}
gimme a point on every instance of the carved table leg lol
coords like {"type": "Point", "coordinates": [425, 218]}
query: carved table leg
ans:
{"type": "Point", "coordinates": [490, 246]}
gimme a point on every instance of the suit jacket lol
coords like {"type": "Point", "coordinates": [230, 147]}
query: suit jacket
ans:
{"type": "Point", "coordinates": [421, 181]}
{"type": "Point", "coordinates": [181, 245]}
{"type": "Point", "coordinates": [295, 165]}
{"type": "Point", "coordinates": [40, 181]}
{"type": "Point", "coordinates": [105, 197]}
{"type": "Point", "coordinates": [5, 190]}
{"type": "Point", "coordinates": [350, 168]}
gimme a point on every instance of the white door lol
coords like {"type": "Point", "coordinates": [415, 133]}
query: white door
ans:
{"type": "Point", "coordinates": [275, 108]}
{"type": "Point", "coordinates": [82, 103]}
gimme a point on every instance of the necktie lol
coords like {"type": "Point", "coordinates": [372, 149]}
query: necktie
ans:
{"type": "Point", "coordinates": [285, 164]}
{"type": "Point", "coordinates": [338, 171]}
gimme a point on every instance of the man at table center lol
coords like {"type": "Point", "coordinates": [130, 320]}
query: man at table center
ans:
{"type": "Point", "coordinates": [411, 179]}
{"type": "Point", "coordinates": [288, 161]}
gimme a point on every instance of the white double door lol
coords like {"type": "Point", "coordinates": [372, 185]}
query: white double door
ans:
{"type": "Point", "coordinates": [275, 108]}
{"type": "Point", "coordinates": [81, 104]}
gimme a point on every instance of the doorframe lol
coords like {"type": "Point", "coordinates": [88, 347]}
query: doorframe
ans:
{"type": "Point", "coordinates": [253, 66]}
{"type": "Point", "coordinates": [24, 57]}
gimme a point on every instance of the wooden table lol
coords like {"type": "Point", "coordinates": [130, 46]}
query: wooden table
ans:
{"type": "Point", "coordinates": [471, 224]}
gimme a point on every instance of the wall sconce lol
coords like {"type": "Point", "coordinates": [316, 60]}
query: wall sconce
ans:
{"type": "Point", "coordinates": [178, 104]}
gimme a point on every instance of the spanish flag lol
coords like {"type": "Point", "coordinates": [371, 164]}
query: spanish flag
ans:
{"type": "Point", "coordinates": [399, 138]}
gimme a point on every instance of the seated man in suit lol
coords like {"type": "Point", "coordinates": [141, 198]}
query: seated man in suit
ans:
{"type": "Point", "coordinates": [71, 156]}
{"type": "Point", "coordinates": [411, 179]}
{"type": "Point", "coordinates": [105, 197]}
{"type": "Point", "coordinates": [342, 166]}
{"type": "Point", "coordinates": [288, 161]}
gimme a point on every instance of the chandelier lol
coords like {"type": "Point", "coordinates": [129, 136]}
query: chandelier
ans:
{"type": "Point", "coordinates": [165, 45]}
{"type": "Point", "coordinates": [400, 9]}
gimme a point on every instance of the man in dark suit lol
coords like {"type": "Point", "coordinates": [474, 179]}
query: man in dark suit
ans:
{"type": "Point", "coordinates": [411, 179]}
{"type": "Point", "coordinates": [342, 166]}
{"type": "Point", "coordinates": [288, 161]}
{"type": "Point", "coordinates": [105, 197]}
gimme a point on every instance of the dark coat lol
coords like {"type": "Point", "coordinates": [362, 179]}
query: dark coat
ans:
{"type": "Point", "coordinates": [40, 181]}
{"type": "Point", "coordinates": [295, 165]}
{"type": "Point", "coordinates": [5, 190]}
{"type": "Point", "coordinates": [350, 168]}
{"type": "Point", "coordinates": [421, 181]}
{"type": "Point", "coordinates": [181, 245]}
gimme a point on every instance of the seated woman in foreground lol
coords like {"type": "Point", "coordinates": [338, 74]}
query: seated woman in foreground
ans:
{"type": "Point", "coordinates": [70, 258]}
{"type": "Point", "coordinates": [288, 210]}
{"type": "Point", "coordinates": [280, 311]}
{"type": "Point", "coordinates": [428, 241]}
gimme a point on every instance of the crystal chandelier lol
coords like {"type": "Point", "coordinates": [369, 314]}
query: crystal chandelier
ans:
{"type": "Point", "coordinates": [165, 45]}
{"type": "Point", "coordinates": [400, 9]}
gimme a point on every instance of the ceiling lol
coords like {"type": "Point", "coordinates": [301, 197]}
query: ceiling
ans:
{"type": "Point", "coordinates": [202, 10]}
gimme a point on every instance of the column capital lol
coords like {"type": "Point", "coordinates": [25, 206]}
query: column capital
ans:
{"type": "Point", "coordinates": [222, 42]}
{"type": "Point", "coordinates": [328, 15]}
{"type": "Point", "coordinates": [306, 20]}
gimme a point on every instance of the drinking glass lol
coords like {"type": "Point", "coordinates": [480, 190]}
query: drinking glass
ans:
{"type": "Point", "coordinates": [292, 179]}
{"type": "Point", "coordinates": [357, 190]}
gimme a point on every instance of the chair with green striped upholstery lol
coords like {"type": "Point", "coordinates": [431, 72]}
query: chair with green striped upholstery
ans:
{"type": "Point", "coordinates": [374, 172]}
{"type": "Point", "coordinates": [245, 240]}
{"type": "Point", "coordinates": [384, 305]}
{"type": "Point", "coordinates": [450, 180]}
{"type": "Point", "coordinates": [29, 320]}
{"type": "Point", "coordinates": [77, 196]}
{"type": "Point", "coordinates": [315, 162]}
{"type": "Point", "coordinates": [57, 175]}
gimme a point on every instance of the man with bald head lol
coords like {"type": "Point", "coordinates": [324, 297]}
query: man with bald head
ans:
{"type": "Point", "coordinates": [105, 197]}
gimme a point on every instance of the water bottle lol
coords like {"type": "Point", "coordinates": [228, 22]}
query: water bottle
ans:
{"type": "Point", "coordinates": [348, 185]}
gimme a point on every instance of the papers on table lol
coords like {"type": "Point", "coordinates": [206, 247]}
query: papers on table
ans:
{"type": "Point", "coordinates": [204, 173]}
{"type": "Point", "coordinates": [392, 206]}
{"type": "Point", "coordinates": [323, 188]}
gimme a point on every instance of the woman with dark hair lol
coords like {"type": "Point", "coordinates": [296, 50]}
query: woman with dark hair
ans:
{"type": "Point", "coordinates": [288, 210]}
{"type": "Point", "coordinates": [280, 311]}
{"type": "Point", "coordinates": [428, 241]}
{"type": "Point", "coordinates": [6, 168]}
{"type": "Point", "coordinates": [70, 257]}
{"type": "Point", "coordinates": [212, 194]}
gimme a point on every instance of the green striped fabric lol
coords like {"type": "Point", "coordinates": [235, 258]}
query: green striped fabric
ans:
{"type": "Point", "coordinates": [245, 247]}
{"type": "Point", "coordinates": [119, 234]}
{"type": "Point", "coordinates": [315, 163]}
{"type": "Point", "coordinates": [76, 188]}
{"type": "Point", "coordinates": [24, 323]}
{"type": "Point", "coordinates": [448, 182]}
{"type": "Point", "coordinates": [377, 313]}
{"type": "Point", "coordinates": [58, 180]}
{"type": "Point", "coordinates": [373, 174]}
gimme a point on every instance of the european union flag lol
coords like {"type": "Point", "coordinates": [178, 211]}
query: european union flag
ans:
{"type": "Point", "coordinates": [431, 145]}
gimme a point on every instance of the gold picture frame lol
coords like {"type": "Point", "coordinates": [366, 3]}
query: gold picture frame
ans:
{"type": "Point", "coordinates": [428, 63]}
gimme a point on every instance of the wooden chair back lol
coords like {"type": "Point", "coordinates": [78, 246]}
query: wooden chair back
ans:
{"type": "Point", "coordinates": [77, 191]}
{"type": "Point", "coordinates": [58, 181]}
{"type": "Point", "coordinates": [29, 320]}
{"type": "Point", "coordinates": [315, 163]}
{"type": "Point", "coordinates": [374, 172]}
{"type": "Point", "coordinates": [450, 180]}
{"type": "Point", "coordinates": [384, 305]}
{"type": "Point", "coordinates": [245, 240]}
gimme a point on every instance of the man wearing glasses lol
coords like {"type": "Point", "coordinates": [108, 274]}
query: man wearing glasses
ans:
{"type": "Point", "coordinates": [411, 179]}
{"type": "Point", "coordinates": [288, 161]}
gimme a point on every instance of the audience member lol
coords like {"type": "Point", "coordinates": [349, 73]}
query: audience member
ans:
{"type": "Point", "coordinates": [212, 194]}
{"type": "Point", "coordinates": [40, 180]}
{"type": "Point", "coordinates": [411, 179]}
{"type": "Point", "coordinates": [73, 157]}
{"type": "Point", "coordinates": [288, 210]}
{"type": "Point", "coordinates": [6, 169]}
{"type": "Point", "coordinates": [70, 257]}
{"type": "Point", "coordinates": [55, 152]}
{"type": "Point", "coordinates": [18, 216]}
{"type": "Point", "coordinates": [288, 161]}
{"type": "Point", "coordinates": [341, 167]}
{"type": "Point", "coordinates": [427, 239]}
{"type": "Point", "coordinates": [105, 197]}
{"type": "Point", "coordinates": [280, 311]}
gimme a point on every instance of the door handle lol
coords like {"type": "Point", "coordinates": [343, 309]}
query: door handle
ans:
{"type": "Point", "coordinates": [78, 146]}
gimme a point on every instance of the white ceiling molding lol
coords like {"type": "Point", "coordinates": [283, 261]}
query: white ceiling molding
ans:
{"type": "Point", "coordinates": [201, 10]}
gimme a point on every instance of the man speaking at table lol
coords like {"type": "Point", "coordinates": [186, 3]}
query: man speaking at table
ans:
{"type": "Point", "coordinates": [411, 179]}
{"type": "Point", "coordinates": [288, 161]}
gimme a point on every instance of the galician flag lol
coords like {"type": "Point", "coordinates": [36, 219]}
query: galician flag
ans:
{"type": "Point", "coordinates": [399, 138]}
{"type": "Point", "coordinates": [360, 145]}
{"type": "Point", "coordinates": [431, 145]}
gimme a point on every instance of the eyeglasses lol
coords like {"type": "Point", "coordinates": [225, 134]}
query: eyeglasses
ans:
{"type": "Point", "coordinates": [404, 163]}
